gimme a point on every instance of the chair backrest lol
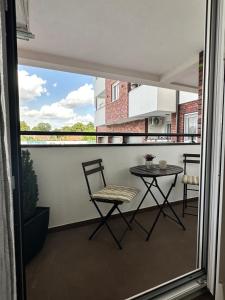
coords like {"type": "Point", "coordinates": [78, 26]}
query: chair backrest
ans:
{"type": "Point", "coordinates": [190, 158]}
{"type": "Point", "coordinates": [92, 167]}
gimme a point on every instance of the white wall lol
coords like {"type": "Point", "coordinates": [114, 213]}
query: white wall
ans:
{"type": "Point", "coordinates": [187, 97]}
{"type": "Point", "coordinates": [62, 185]}
{"type": "Point", "coordinates": [100, 116]}
{"type": "Point", "coordinates": [149, 99]}
{"type": "Point", "coordinates": [142, 100]}
{"type": "Point", "coordinates": [99, 86]}
{"type": "Point", "coordinates": [166, 100]}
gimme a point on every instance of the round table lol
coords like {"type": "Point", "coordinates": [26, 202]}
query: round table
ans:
{"type": "Point", "coordinates": [155, 172]}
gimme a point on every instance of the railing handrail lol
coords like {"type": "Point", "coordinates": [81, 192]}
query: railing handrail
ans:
{"type": "Point", "coordinates": [125, 134]}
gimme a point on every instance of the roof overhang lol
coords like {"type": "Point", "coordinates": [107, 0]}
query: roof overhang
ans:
{"type": "Point", "coordinates": [154, 42]}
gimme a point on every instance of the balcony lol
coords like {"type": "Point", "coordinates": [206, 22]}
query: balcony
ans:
{"type": "Point", "coordinates": [67, 250]}
{"type": "Point", "coordinates": [146, 101]}
{"type": "Point", "coordinates": [100, 116]}
{"type": "Point", "coordinates": [99, 87]}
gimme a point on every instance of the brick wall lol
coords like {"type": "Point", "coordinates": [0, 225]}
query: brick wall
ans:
{"type": "Point", "coordinates": [191, 106]}
{"type": "Point", "coordinates": [116, 110]}
{"type": "Point", "coordinates": [184, 108]}
{"type": "Point", "coordinates": [133, 126]}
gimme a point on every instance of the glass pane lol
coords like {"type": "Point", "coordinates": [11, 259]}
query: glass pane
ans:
{"type": "Point", "coordinates": [150, 98]}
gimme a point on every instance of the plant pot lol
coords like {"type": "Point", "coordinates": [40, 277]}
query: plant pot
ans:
{"type": "Point", "coordinates": [148, 164]}
{"type": "Point", "coordinates": [35, 232]}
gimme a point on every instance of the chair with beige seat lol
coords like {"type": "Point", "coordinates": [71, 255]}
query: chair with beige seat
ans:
{"type": "Point", "coordinates": [191, 182]}
{"type": "Point", "coordinates": [115, 195]}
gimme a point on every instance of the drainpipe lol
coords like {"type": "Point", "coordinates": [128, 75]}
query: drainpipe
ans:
{"type": "Point", "coordinates": [146, 128]}
{"type": "Point", "coordinates": [177, 112]}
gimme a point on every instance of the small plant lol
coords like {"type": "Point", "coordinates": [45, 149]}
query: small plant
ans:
{"type": "Point", "coordinates": [29, 186]}
{"type": "Point", "coordinates": [149, 157]}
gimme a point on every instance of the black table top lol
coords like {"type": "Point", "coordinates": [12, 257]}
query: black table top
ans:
{"type": "Point", "coordinates": [155, 171]}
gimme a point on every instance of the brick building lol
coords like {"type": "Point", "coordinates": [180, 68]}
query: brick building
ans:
{"type": "Point", "coordinates": [126, 107]}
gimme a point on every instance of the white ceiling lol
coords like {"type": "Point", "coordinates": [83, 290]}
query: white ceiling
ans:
{"type": "Point", "coordinates": [151, 41]}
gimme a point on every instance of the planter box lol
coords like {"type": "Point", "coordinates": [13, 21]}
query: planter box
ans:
{"type": "Point", "coordinates": [35, 232]}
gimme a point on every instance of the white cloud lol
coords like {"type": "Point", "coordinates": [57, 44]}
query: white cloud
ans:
{"type": "Point", "coordinates": [80, 118]}
{"type": "Point", "coordinates": [54, 114]}
{"type": "Point", "coordinates": [62, 112]}
{"type": "Point", "coordinates": [52, 111]}
{"type": "Point", "coordinates": [55, 84]}
{"type": "Point", "coordinates": [84, 95]}
{"type": "Point", "coordinates": [30, 86]}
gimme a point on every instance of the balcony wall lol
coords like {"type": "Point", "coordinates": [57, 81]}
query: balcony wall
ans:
{"type": "Point", "coordinates": [62, 185]}
{"type": "Point", "coordinates": [151, 101]}
{"type": "Point", "coordinates": [100, 116]}
{"type": "Point", "coordinates": [99, 86]}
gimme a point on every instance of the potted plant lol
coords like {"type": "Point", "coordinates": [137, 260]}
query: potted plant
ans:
{"type": "Point", "coordinates": [35, 219]}
{"type": "Point", "coordinates": [149, 160]}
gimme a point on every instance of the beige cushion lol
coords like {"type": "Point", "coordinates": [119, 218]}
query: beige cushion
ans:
{"type": "Point", "coordinates": [116, 193]}
{"type": "Point", "coordinates": [188, 179]}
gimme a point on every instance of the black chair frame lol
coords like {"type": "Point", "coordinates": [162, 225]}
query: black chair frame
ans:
{"type": "Point", "coordinates": [189, 159]}
{"type": "Point", "coordinates": [89, 170]}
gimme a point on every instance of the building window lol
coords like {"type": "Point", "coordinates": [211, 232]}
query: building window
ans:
{"type": "Point", "coordinates": [190, 124]}
{"type": "Point", "coordinates": [115, 90]}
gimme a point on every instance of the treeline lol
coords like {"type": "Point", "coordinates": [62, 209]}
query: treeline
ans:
{"type": "Point", "coordinates": [77, 127]}
{"type": "Point", "coordinates": [89, 127]}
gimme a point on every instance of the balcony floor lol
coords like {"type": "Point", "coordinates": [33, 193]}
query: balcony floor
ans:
{"type": "Point", "coordinates": [72, 267]}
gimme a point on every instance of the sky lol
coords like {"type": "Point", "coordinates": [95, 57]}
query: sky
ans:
{"type": "Point", "coordinates": [59, 98]}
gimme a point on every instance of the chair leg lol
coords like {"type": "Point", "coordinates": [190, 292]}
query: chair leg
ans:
{"type": "Point", "coordinates": [125, 220]}
{"type": "Point", "coordinates": [186, 196]}
{"type": "Point", "coordinates": [113, 235]}
{"type": "Point", "coordinates": [103, 221]}
{"type": "Point", "coordinates": [184, 200]}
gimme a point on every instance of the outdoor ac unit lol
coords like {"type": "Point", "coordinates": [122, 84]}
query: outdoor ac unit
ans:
{"type": "Point", "coordinates": [156, 121]}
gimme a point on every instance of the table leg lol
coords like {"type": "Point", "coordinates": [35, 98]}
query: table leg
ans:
{"type": "Point", "coordinates": [142, 200]}
{"type": "Point", "coordinates": [163, 205]}
{"type": "Point", "coordinates": [153, 196]}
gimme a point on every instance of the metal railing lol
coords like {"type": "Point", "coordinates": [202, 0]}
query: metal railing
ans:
{"type": "Point", "coordinates": [194, 138]}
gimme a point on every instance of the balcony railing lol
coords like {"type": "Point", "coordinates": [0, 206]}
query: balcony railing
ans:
{"type": "Point", "coordinates": [125, 137]}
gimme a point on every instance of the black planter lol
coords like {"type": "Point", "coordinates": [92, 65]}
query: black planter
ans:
{"type": "Point", "coordinates": [35, 232]}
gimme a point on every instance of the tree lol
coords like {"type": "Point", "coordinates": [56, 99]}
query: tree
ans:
{"type": "Point", "coordinates": [78, 127]}
{"type": "Point", "coordinates": [90, 127]}
{"type": "Point", "coordinates": [24, 126]}
{"type": "Point", "coordinates": [66, 128]}
{"type": "Point", "coordinates": [29, 186]}
{"type": "Point", "coordinates": [42, 127]}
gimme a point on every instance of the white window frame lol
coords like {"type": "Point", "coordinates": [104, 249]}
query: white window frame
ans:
{"type": "Point", "coordinates": [187, 117]}
{"type": "Point", "coordinates": [115, 90]}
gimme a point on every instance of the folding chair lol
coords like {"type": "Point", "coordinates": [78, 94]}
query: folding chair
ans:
{"type": "Point", "coordinates": [112, 194]}
{"type": "Point", "coordinates": [189, 180]}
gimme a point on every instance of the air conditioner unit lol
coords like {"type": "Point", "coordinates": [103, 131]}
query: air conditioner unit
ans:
{"type": "Point", "coordinates": [156, 121]}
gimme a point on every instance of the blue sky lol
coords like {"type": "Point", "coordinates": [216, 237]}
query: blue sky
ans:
{"type": "Point", "coordinates": [59, 98]}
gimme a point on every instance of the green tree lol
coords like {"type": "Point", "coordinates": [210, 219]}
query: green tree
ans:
{"type": "Point", "coordinates": [90, 127]}
{"type": "Point", "coordinates": [78, 127]}
{"type": "Point", "coordinates": [42, 127]}
{"type": "Point", "coordinates": [66, 128]}
{"type": "Point", "coordinates": [29, 186]}
{"type": "Point", "coordinates": [24, 126]}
